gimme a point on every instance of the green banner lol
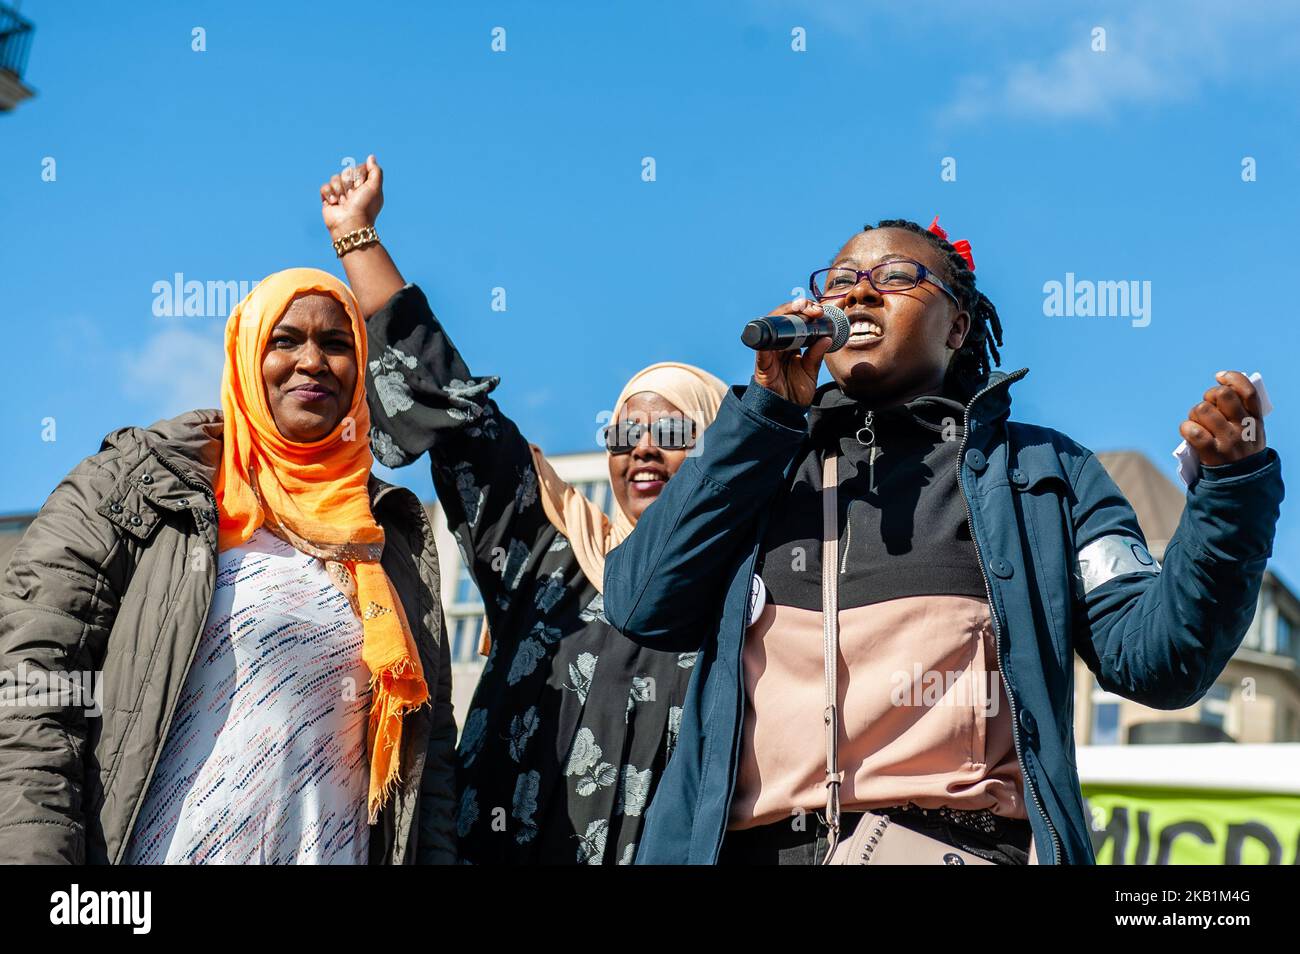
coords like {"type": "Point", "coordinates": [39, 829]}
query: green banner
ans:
{"type": "Point", "coordinates": [1166, 826]}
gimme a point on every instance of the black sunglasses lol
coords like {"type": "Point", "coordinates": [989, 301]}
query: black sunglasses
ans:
{"type": "Point", "coordinates": [667, 433]}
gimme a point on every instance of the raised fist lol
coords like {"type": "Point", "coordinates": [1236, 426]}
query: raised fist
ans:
{"type": "Point", "coordinates": [352, 199]}
{"type": "Point", "coordinates": [1227, 424]}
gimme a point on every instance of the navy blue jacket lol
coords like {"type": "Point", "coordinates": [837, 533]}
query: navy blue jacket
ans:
{"type": "Point", "coordinates": [1067, 571]}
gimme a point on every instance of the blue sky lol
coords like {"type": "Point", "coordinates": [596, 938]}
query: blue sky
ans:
{"type": "Point", "coordinates": [523, 170]}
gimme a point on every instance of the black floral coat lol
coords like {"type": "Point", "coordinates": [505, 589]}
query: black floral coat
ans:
{"type": "Point", "coordinates": [571, 724]}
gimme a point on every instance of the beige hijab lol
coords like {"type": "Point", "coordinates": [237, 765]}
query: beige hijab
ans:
{"type": "Point", "coordinates": [696, 393]}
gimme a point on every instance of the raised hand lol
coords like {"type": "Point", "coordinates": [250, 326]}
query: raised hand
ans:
{"type": "Point", "coordinates": [349, 201]}
{"type": "Point", "coordinates": [1227, 424]}
{"type": "Point", "coordinates": [352, 199]}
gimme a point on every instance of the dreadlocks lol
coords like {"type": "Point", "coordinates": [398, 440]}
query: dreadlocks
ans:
{"type": "Point", "coordinates": [970, 365]}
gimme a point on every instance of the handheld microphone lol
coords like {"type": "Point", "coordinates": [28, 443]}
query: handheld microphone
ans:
{"type": "Point", "coordinates": [790, 332]}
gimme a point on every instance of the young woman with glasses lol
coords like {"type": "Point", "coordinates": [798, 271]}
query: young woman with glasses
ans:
{"type": "Point", "coordinates": [973, 557]}
{"type": "Point", "coordinates": [571, 724]}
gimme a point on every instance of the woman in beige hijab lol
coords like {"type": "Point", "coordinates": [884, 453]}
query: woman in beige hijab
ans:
{"type": "Point", "coordinates": [665, 392]}
{"type": "Point", "coordinates": [571, 723]}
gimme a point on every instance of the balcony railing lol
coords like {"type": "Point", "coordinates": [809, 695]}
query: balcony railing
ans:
{"type": "Point", "coordinates": [15, 40]}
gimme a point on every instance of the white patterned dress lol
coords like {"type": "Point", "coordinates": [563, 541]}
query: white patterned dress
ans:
{"type": "Point", "coordinates": [265, 760]}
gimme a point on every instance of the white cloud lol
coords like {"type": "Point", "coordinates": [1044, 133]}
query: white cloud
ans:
{"type": "Point", "coordinates": [1166, 55]}
{"type": "Point", "coordinates": [538, 398]}
{"type": "Point", "coordinates": [177, 370]}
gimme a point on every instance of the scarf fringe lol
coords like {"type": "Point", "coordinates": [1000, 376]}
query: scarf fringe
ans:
{"type": "Point", "coordinates": [387, 710]}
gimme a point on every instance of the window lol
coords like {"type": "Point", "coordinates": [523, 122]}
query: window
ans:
{"type": "Point", "coordinates": [1105, 717]}
{"type": "Point", "coordinates": [1282, 642]}
{"type": "Point", "coordinates": [465, 592]}
{"type": "Point", "coordinates": [1105, 723]}
{"type": "Point", "coordinates": [1214, 705]}
{"type": "Point", "coordinates": [464, 638]}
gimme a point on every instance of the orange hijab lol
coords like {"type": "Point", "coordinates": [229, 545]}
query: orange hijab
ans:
{"type": "Point", "coordinates": [315, 496]}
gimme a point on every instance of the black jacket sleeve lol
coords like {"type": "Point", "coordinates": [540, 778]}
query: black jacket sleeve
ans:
{"type": "Point", "coordinates": [1162, 636]}
{"type": "Point", "coordinates": [423, 399]}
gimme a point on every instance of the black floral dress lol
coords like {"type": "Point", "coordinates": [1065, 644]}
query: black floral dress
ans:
{"type": "Point", "coordinates": [571, 724]}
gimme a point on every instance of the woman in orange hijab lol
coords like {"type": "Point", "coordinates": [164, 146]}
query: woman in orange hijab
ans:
{"type": "Point", "coordinates": [291, 463]}
{"type": "Point", "coordinates": [269, 617]}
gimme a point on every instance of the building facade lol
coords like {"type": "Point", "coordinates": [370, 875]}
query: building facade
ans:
{"type": "Point", "coordinates": [15, 45]}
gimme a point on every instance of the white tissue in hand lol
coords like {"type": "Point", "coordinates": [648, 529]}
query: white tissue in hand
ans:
{"type": "Point", "coordinates": [1189, 465]}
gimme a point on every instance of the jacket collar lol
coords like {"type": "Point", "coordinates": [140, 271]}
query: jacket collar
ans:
{"type": "Point", "coordinates": [990, 401]}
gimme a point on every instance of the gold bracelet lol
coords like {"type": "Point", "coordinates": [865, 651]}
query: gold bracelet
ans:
{"type": "Point", "coordinates": [357, 238]}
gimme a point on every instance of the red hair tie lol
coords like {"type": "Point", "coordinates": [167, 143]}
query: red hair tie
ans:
{"type": "Point", "coordinates": [961, 246]}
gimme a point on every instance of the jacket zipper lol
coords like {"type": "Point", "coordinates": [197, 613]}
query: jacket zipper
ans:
{"type": "Point", "coordinates": [211, 496]}
{"type": "Point", "coordinates": [869, 441]}
{"type": "Point", "coordinates": [997, 630]}
{"type": "Point", "coordinates": [737, 738]}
